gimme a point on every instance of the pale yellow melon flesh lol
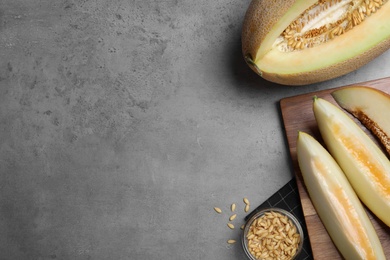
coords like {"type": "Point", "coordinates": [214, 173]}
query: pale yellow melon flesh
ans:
{"type": "Point", "coordinates": [370, 106]}
{"type": "Point", "coordinates": [339, 56]}
{"type": "Point", "coordinates": [336, 203]}
{"type": "Point", "coordinates": [363, 162]}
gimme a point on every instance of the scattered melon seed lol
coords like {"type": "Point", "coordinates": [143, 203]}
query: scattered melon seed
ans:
{"type": "Point", "coordinates": [247, 208]}
{"type": "Point", "coordinates": [233, 207]}
{"type": "Point", "coordinates": [231, 241]}
{"type": "Point", "coordinates": [230, 225]}
{"type": "Point", "coordinates": [218, 210]}
{"type": "Point", "coordinates": [232, 217]}
{"type": "Point", "coordinates": [246, 201]}
{"type": "Point", "coordinates": [242, 226]}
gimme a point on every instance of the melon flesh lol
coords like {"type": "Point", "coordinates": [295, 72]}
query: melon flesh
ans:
{"type": "Point", "coordinates": [341, 48]}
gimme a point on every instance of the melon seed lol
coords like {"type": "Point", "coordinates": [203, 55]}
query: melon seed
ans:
{"type": "Point", "coordinates": [230, 225]}
{"type": "Point", "coordinates": [232, 217]}
{"type": "Point", "coordinates": [218, 210]}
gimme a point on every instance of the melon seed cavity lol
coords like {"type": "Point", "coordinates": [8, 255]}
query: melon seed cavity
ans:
{"type": "Point", "coordinates": [324, 21]}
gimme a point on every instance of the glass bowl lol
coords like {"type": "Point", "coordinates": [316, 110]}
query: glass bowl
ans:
{"type": "Point", "coordinates": [272, 233]}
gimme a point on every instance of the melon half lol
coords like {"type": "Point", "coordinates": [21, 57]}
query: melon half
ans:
{"type": "Point", "coordinates": [303, 42]}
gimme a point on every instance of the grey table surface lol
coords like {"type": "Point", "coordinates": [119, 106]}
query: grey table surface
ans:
{"type": "Point", "coordinates": [124, 122]}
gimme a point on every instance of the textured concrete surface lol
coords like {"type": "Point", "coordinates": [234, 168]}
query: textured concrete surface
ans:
{"type": "Point", "coordinates": [124, 122]}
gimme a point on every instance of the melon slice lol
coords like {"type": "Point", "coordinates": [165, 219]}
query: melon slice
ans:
{"type": "Point", "coordinates": [304, 41]}
{"type": "Point", "coordinates": [370, 106]}
{"type": "Point", "coordinates": [363, 162]}
{"type": "Point", "coordinates": [336, 203]}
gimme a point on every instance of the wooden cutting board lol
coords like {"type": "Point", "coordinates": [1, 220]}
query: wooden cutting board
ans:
{"type": "Point", "coordinates": [298, 116]}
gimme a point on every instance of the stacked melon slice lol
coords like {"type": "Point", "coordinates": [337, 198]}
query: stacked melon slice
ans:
{"type": "Point", "coordinates": [352, 169]}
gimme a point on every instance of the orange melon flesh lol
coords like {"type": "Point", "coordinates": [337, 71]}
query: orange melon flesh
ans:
{"type": "Point", "coordinates": [341, 48]}
{"type": "Point", "coordinates": [363, 157]}
{"type": "Point", "coordinates": [363, 162]}
{"type": "Point", "coordinates": [336, 202]}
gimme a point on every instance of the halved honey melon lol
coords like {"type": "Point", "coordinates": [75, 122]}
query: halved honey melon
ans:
{"type": "Point", "coordinates": [302, 42]}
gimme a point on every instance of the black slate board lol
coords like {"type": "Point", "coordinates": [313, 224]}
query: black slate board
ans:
{"type": "Point", "coordinates": [287, 198]}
